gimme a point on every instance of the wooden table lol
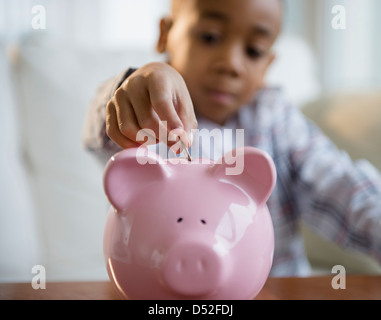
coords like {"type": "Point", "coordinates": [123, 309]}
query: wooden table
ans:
{"type": "Point", "coordinates": [357, 288]}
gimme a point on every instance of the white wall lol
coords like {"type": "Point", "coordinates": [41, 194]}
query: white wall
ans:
{"type": "Point", "coordinates": [20, 246]}
{"type": "Point", "coordinates": [347, 59]}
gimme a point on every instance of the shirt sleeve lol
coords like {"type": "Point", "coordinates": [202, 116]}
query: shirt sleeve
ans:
{"type": "Point", "coordinates": [338, 198]}
{"type": "Point", "coordinates": [94, 136]}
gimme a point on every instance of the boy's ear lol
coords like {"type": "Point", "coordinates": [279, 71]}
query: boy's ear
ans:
{"type": "Point", "coordinates": [165, 26]}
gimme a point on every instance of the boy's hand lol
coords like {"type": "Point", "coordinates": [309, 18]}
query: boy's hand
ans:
{"type": "Point", "coordinates": [152, 94]}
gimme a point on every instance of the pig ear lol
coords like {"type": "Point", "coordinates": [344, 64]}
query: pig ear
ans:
{"type": "Point", "coordinates": [251, 169]}
{"type": "Point", "coordinates": [131, 170]}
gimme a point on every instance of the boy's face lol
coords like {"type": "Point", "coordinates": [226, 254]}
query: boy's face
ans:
{"type": "Point", "coordinates": [222, 49]}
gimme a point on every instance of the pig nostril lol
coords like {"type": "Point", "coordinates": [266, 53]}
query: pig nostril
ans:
{"type": "Point", "coordinates": [179, 220]}
{"type": "Point", "coordinates": [203, 221]}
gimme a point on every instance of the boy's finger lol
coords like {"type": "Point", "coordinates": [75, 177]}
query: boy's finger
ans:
{"type": "Point", "coordinates": [126, 118]}
{"type": "Point", "coordinates": [149, 121]}
{"type": "Point", "coordinates": [146, 117]}
{"type": "Point", "coordinates": [186, 113]}
{"type": "Point", "coordinates": [161, 99]}
{"type": "Point", "coordinates": [112, 129]}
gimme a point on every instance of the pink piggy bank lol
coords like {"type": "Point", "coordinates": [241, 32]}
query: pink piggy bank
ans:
{"type": "Point", "coordinates": [189, 230]}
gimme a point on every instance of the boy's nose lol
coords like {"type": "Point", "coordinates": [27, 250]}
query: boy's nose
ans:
{"type": "Point", "coordinates": [230, 60]}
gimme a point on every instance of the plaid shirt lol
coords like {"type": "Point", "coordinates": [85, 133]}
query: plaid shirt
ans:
{"type": "Point", "coordinates": [317, 184]}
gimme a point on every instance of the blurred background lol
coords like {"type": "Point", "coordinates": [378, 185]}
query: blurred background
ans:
{"type": "Point", "coordinates": [54, 54]}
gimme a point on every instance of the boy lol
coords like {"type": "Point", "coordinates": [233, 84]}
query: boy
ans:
{"type": "Point", "coordinates": [218, 54]}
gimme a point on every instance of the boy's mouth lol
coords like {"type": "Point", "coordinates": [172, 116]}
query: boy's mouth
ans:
{"type": "Point", "coordinates": [220, 96]}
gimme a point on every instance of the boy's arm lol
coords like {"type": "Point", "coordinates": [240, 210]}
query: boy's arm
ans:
{"type": "Point", "coordinates": [94, 136]}
{"type": "Point", "coordinates": [338, 198]}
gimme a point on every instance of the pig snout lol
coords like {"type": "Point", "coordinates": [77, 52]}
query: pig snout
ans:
{"type": "Point", "coordinates": [193, 268]}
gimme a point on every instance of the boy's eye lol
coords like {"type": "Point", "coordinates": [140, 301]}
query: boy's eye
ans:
{"type": "Point", "coordinates": [209, 38]}
{"type": "Point", "coordinates": [254, 53]}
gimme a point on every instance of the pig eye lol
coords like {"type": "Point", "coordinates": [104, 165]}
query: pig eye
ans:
{"type": "Point", "coordinates": [179, 220]}
{"type": "Point", "coordinates": [203, 221]}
